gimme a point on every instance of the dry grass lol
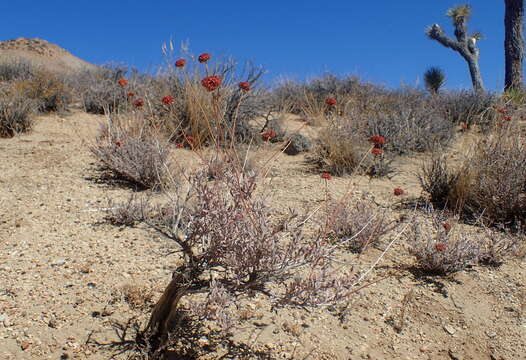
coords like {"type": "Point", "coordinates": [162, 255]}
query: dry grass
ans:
{"type": "Point", "coordinates": [16, 114]}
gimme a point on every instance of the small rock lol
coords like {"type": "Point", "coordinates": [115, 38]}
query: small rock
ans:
{"type": "Point", "coordinates": [53, 323]}
{"type": "Point", "coordinates": [24, 345]}
{"type": "Point", "coordinates": [424, 348]}
{"type": "Point", "coordinates": [449, 329]}
{"type": "Point", "coordinates": [59, 262]}
{"type": "Point", "coordinates": [203, 341]}
{"type": "Point", "coordinates": [454, 355]}
{"type": "Point", "coordinates": [491, 334]}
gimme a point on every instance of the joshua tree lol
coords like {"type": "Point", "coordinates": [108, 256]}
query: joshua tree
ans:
{"type": "Point", "coordinates": [465, 45]}
{"type": "Point", "coordinates": [434, 79]}
{"type": "Point", "coordinates": [514, 44]}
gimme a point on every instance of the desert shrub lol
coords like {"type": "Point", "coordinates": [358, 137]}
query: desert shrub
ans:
{"type": "Point", "coordinates": [138, 157]}
{"type": "Point", "coordinates": [232, 244]}
{"type": "Point", "coordinates": [410, 122]}
{"type": "Point", "coordinates": [358, 224]}
{"type": "Point", "coordinates": [48, 90]}
{"type": "Point", "coordinates": [15, 70]}
{"type": "Point", "coordinates": [127, 213]}
{"type": "Point", "coordinates": [468, 107]}
{"type": "Point", "coordinates": [490, 185]}
{"type": "Point", "coordinates": [297, 143]}
{"type": "Point", "coordinates": [442, 249]}
{"type": "Point", "coordinates": [99, 89]}
{"type": "Point", "coordinates": [15, 114]}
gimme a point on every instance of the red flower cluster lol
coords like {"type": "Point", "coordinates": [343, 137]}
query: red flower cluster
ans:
{"type": "Point", "coordinates": [118, 143]}
{"type": "Point", "coordinates": [180, 63]}
{"type": "Point", "coordinates": [502, 111]}
{"type": "Point", "coordinates": [139, 103]}
{"type": "Point", "coordinates": [507, 118]}
{"type": "Point", "coordinates": [189, 139]}
{"type": "Point", "coordinates": [122, 82]}
{"type": "Point", "coordinates": [131, 94]}
{"type": "Point", "coordinates": [179, 145]}
{"type": "Point", "coordinates": [377, 151]}
{"type": "Point", "coordinates": [211, 83]}
{"type": "Point", "coordinates": [167, 100]}
{"type": "Point", "coordinates": [398, 192]}
{"type": "Point", "coordinates": [447, 227]}
{"type": "Point", "coordinates": [330, 101]}
{"type": "Point", "coordinates": [464, 126]}
{"type": "Point", "coordinates": [204, 57]}
{"type": "Point", "coordinates": [244, 86]}
{"type": "Point", "coordinates": [267, 135]}
{"type": "Point", "coordinates": [440, 247]}
{"type": "Point", "coordinates": [326, 176]}
{"type": "Point", "coordinates": [377, 140]}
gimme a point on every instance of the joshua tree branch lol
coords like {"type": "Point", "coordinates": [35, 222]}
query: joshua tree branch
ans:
{"type": "Point", "coordinates": [435, 32]}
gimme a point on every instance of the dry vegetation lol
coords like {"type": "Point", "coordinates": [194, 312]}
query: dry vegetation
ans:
{"type": "Point", "coordinates": [232, 243]}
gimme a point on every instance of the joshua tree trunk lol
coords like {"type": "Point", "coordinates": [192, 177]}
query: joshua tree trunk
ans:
{"type": "Point", "coordinates": [514, 44]}
{"type": "Point", "coordinates": [465, 45]}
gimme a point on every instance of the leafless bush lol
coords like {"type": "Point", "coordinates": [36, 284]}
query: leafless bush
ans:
{"type": "Point", "coordinates": [490, 185]}
{"type": "Point", "coordinates": [411, 123]}
{"type": "Point", "coordinates": [15, 114]}
{"type": "Point", "coordinates": [499, 246]}
{"type": "Point", "coordinates": [15, 70]}
{"type": "Point", "coordinates": [137, 157]}
{"type": "Point", "coordinates": [48, 90]}
{"type": "Point", "coordinates": [358, 224]}
{"type": "Point", "coordinates": [468, 107]}
{"type": "Point", "coordinates": [231, 245]}
{"type": "Point", "coordinates": [127, 213]}
{"type": "Point", "coordinates": [443, 250]}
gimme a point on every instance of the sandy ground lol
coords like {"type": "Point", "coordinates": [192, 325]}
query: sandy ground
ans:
{"type": "Point", "coordinates": [66, 275]}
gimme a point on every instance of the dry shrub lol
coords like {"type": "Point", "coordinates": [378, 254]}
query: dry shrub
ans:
{"type": "Point", "coordinates": [15, 114]}
{"type": "Point", "coordinates": [441, 250]}
{"type": "Point", "coordinates": [489, 185]}
{"type": "Point", "coordinates": [468, 107]}
{"type": "Point", "coordinates": [358, 224]}
{"type": "Point", "coordinates": [137, 156]}
{"type": "Point", "coordinates": [48, 90]}
{"type": "Point", "coordinates": [137, 296]}
{"type": "Point", "coordinates": [127, 213]}
{"type": "Point", "coordinates": [99, 89]}
{"type": "Point", "coordinates": [15, 70]}
{"type": "Point", "coordinates": [232, 244]}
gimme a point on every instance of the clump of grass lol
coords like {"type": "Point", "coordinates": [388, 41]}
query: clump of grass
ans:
{"type": "Point", "coordinates": [490, 184]}
{"type": "Point", "coordinates": [15, 70]}
{"type": "Point", "coordinates": [16, 115]}
{"type": "Point", "coordinates": [468, 107]}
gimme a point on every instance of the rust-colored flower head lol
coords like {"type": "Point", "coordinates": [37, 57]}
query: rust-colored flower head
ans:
{"type": "Point", "coordinates": [398, 192]}
{"type": "Point", "coordinates": [189, 139]}
{"type": "Point", "coordinates": [139, 103]}
{"type": "Point", "coordinates": [167, 100]}
{"type": "Point", "coordinates": [503, 111]}
{"type": "Point", "coordinates": [507, 118]}
{"type": "Point", "coordinates": [179, 145]}
{"type": "Point", "coordinates": [447, 227]}
{"type": "Point", "coordinates": [118, 143]}
{"type": "Point", "coordinates": [326, 176]}
{"type": "Point", "coordinates": [267, 135]}
{"type": "Point", "coordinates": [377, 151]}
{"type": "Point", "coordinates": [464, 126]}
{"type": "Point", "coordinates": [204, 57]}
{"type": "Point", "coordinates": [440, 247]}
{"type": "Point", "coordinates": [211, 83]}
{"type": "Point", "coordinates": [243, 85]}
{"type": "Point", "coordinates": [377, 140]}
{"type": "Point", "coordinates": [180, 63]}
{"type": "Point", "coordinates": [330, 101]}
{"type": "Point", "coordinates": [130, 94]}
{"type": "Point", "coordinates": [122, 82]}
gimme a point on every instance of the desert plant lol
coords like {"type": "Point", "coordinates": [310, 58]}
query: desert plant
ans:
{"type": "Point", "coordinates": [15, 114]}
{"type": "Point", "coordinates": [443, 250]}
{"type": "Point", "coordinates": [15, 70]}
{"type": "Point", "coordinates": [465, 45]}
{"type": "Point", "coordinates": [48, 90]}
{"type": "Point", "coordinates": [467, 107]}
{"type": "Point", "coordinates": [434, 78]}
{"type": "Point", "coordinates": [489, 186]}
{"type": "Point", "coordinates": [140, 158]}
{"type": "Point", "coordinates": [357, 224]}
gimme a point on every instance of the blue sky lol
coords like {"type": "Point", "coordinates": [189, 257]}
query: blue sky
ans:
{"type": "Point", "coordinates": [381, 41]}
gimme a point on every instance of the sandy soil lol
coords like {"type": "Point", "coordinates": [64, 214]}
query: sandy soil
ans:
{"type": "Point", "coordinates": [66, 275]}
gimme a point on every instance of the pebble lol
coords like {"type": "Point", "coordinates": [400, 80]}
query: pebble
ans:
{"type": "Point", "coordinates": [491, 334]}
{"type": "Point", "coordinates": [449, 329]}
